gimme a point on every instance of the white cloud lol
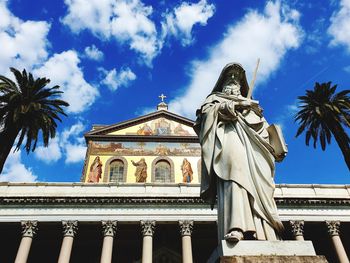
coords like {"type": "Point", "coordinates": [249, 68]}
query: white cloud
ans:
{"type": "Point", "coordinates": [70, 144]}
{"type": "Point", "coordinates": [181, 21]}
{"type": "Point", "coordinates": [113, 79]}
{"type": "Point", "coordinates": [347, 69]}
{"type": "Point", "coordinates": [315, 36]}
{"type": "Point", "coordinates": [75, 153]}
{"type": "Point", "coordinates": [49, 154]}
{"type": "Point", "coordinates": [73, 144]}
{"type": "Point", "coordinates": [340, 25]}
{"type": "Point", "coordinates": [15, 170]}
{"type": "Point", "coordinates": [23, 43]}
{"type": "Point", "coordinates": [63, 70]}
{"type": "Point", "coordinates": [125, 20]}
{"type": "Point", "coordinates": [268, 36]}
{"type": "Point", "coordinates": [92, 52]}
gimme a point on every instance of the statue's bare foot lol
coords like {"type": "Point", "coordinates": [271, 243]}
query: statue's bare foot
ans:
{"type": "Point", "coordinates": [234, 236]}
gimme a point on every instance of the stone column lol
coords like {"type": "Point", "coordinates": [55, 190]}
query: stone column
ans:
{"type": "Point", "coordinates": [147, 228]}
{"type": "Point", "coordinates": [69, 230]}
{"type": "Point", "coordinates": [186, 227]}
{"type": "Point", "coordinates": [297, 229]}
{"type": "Point", "coordinates": [29, 229]}
{"type": "Point", "coordinates": [333, 231]}
{"type": "Point", "coordinates": [109, 229]}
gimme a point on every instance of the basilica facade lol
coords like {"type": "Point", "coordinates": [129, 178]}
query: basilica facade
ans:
{"type": "Point", "coordinates": [138, 201]}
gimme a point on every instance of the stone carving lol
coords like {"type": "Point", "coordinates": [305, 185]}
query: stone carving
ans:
{"type": "Point", "coordinates": [237, 160]}
{"type": "Point", "coordinates": [186, 227]}
{"type": "Point", "coordinates": [141, 170]}
{"type": "Point", "coordinates": [333, 228]}
{"type": "Point", "coordinates": [147, 227]}
{"type": "Point", "coordinates": [187, 173]}
{"type": "Point", "coordinates": [297, 227]}
{"type": "Point", "coordinates": [70, 228]}
{"type": "Point", "coordinates": [29, 228]}
{"type": "Point", "coordinates": [109, 228]}
{"type": "Point", "coordinates": [95, 171]}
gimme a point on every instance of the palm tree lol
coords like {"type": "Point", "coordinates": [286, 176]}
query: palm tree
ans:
{"type": "Point", "coordinates": [324, 113]}
{"type": "Point", "coordinates": [27, 108]}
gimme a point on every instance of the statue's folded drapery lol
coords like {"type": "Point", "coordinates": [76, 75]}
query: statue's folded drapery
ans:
{"type": "Point", "coordinates": [237, 167]}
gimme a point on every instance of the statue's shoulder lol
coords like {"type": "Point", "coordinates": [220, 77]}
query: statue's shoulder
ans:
{"type": "Point", "coordinates": [213, 98]}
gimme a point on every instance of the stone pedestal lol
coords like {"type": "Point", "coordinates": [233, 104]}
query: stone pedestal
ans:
{"type": "Point", "coordinates": [274, 259]}
{"type": "Point", "coordinates": [267, 251]}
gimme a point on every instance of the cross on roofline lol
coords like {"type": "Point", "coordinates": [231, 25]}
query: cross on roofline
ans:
{"type": "Point", "coordinates": [162, 97]}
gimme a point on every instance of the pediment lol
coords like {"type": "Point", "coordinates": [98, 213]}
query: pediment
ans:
{"type": "Point", "coordinates": [160, 123]}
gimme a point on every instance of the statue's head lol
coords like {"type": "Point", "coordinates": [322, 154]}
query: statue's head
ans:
{"type": "Point", "coordinates": [231, 86]}
{"type": "Point", "coordinates": [232, 81]}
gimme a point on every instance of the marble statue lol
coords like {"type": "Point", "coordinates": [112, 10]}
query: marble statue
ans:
{"type": "Point", "coordinates": [141, 170]}
{"type": "Point", "coordinates": [238, 161]}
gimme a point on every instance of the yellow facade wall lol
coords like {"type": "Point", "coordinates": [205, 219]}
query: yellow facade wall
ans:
{"type": "Point", "coordinates": [177, 161]}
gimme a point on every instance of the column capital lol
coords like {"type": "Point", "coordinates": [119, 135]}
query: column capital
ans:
{"type": "Point", "coordinates": [333, 228]}
{"type": "Point", "coordinates": [297, 227]}
{"type": "Point", "coordinates": [29, 228]}
{"type": "Point", "coordinates": [109, 228]}
{"type": "Point", "coordinates": [70, 228]}
{"type": "Point", "coordinates": [186, 227]}
{"type": "Point", "coordinates": [147, 227]}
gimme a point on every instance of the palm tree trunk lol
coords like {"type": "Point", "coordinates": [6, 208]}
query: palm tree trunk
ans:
{"type": "Point", "coordinates": [7, 139]}
{"type": "Point", "coordinates": [342, 139]}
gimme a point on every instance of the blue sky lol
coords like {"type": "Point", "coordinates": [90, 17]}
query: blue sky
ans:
{"type": "Point", "coordinates": [114, 58]}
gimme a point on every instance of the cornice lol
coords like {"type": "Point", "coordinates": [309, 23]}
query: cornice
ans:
{"type": "Point", "coordinates": [145, 138]}
{"type": "Point", "coordinates": [281, 202]}
{"type": "Point", "coordinates": [99, 200]}
{"type": "Point", "coordinates": [311, 201]}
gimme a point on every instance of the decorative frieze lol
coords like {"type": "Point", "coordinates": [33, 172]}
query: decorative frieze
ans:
{"type": "Point", "coordinates": [70, 228]}
{"type": "Point", "coordinates": [297, 227]}
{"type": "Point", "coordinates": [109, 228]}
{"type": "Point", "coordinates": [29, 228]}
{"type": "Point", "coordinates": [186, 227]}
{"type": "Point", "coordinates": [147, 227]}
{"type": "Point", "coordinates": [163, 200]}
{"type": "Point", "coordinates": [333, 228]}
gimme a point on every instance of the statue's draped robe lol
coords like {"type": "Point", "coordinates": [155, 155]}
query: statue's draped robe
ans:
{"type": "Point", "coordinates": [141, 171]}
{"type": "Point", "coordinates": [238, 167]}
{"type": "Point", "coordinates": [187, 172]}
{"type": "Point", "coordinates": [95, 172]}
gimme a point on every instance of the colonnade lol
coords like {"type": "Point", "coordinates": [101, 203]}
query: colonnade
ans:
{"type": "Point", "coordinates": [333, 227]}
{"type": "Point", "coordinates": [109, 230]}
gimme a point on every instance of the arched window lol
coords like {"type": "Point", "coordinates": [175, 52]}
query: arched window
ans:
{"type": "Point", "coordinates": [116, 171]}
{"type": "Point", "coordinates": [162, 172]}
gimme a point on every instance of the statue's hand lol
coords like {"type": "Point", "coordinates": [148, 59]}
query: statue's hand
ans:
{"type": "Point", "coordinates": [245, 104]}
{"type": "Point", "coordinates": [227, 111]}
